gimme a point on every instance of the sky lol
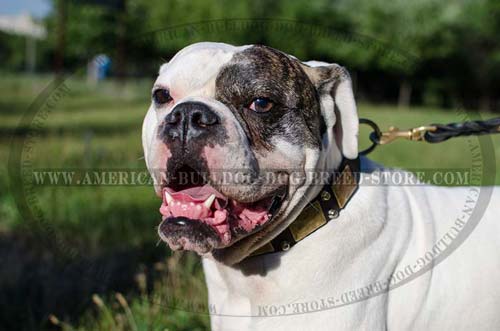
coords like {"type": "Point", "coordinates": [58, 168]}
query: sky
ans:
{"type": "Point", "coordinates": [37, 8]}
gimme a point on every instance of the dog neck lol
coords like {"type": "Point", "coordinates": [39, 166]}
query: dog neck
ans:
{"type": "Point", "coordinates": [319, 205]}
{"type": "Point", "coordinates": [326, 206]}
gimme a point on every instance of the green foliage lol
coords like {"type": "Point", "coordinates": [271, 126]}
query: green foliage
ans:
{"type": "Point", "coordinates": [11, 51]}
{"type": "Point", "coordinates": [164, 307]}
{"type": "Point", "coordinates": [448, 52]}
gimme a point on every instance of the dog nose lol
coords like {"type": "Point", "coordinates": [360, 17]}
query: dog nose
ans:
{"type": "Point", "coordinates": [190, 120]}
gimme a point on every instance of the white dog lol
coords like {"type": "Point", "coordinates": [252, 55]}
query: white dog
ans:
{"type": "Point", "coordinates": [235, 137]}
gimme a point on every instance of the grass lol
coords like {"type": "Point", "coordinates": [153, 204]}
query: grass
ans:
{"type": "Point", "coordinates": [109, 231]}
{"type": "Point", "coordinates": [155, 309]}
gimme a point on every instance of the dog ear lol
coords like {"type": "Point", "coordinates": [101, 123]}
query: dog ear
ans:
{"type": "Point", "coordinates": [338, 106]}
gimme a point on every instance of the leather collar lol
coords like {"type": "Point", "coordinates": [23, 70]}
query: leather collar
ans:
{"type": "Point", "coordinates": [325, 207]}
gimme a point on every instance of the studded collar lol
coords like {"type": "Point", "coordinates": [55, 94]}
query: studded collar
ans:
{"type": "Point", "coordinates": [325, 207]}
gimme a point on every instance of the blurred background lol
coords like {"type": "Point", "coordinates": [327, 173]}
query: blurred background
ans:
{"type": "Point", "coordinates": [87, 257]}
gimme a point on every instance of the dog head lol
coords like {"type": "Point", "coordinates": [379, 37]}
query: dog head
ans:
{"type": "Point", "coordinates": [232, 139]}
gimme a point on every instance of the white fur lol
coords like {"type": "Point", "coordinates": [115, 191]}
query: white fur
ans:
{"type": "Point", "coordinates": [344, 99]}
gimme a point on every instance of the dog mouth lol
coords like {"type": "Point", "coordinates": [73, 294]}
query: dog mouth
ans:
{"type": "Point", "coordinates": [198, 217]}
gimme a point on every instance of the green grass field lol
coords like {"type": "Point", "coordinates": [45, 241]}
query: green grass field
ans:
{"type": "Point", "coordinates": [94, 262]}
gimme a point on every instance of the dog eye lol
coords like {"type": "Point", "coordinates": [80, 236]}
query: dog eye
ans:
{"type": "Point", "coordinates": [261, 105]}
{"type": "Point", "coordinates": [161, 96]}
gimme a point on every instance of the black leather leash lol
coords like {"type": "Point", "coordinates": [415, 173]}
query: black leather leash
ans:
{"type": "Point", "coordinates": [434, 133]}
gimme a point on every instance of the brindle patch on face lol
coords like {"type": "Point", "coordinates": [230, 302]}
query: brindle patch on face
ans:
{"type": "Point", "coordinates": [260, 71]}
{"type": "Point", "coordinates": [324, 76]}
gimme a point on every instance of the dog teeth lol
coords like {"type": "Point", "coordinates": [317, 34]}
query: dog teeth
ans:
{"type": "Point", "coordinates": [209, 201]}
{"type": "Point", "coordinates": [168, 197]}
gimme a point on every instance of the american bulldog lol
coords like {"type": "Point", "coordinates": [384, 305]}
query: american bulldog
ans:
{"type": "Point", "coordinates": [235, 138]}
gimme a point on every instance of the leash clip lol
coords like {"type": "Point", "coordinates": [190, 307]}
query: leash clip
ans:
{"type": "Point", "coordinates": [415, 134]}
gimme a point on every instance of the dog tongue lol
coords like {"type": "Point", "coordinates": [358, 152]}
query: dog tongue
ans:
{"type": "Point", "coordinates": [197, 194]}
{"type": "Point", "coordinates": [196, 203]}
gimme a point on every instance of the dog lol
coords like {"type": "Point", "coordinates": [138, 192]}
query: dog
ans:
{"type": "Point", "coordinates": [366, 258]}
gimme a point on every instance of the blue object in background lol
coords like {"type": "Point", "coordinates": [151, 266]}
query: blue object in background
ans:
{"type": "Point", "coordinates": [103, 65]}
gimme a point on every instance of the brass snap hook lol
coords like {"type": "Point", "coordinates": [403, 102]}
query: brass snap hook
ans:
{"type": "Point", "coordinates": [415, 134]}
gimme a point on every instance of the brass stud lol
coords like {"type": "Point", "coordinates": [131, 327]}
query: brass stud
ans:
{"type": "Point", "coordinates": [285, 245]}
{"type": "Point", "coordinates": [325, 196]}
{"type": "Point", "coordinates": [332, 214]}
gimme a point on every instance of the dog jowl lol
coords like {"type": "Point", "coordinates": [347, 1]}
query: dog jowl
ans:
{"type": "Point", "coordinates": [226, 129]}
